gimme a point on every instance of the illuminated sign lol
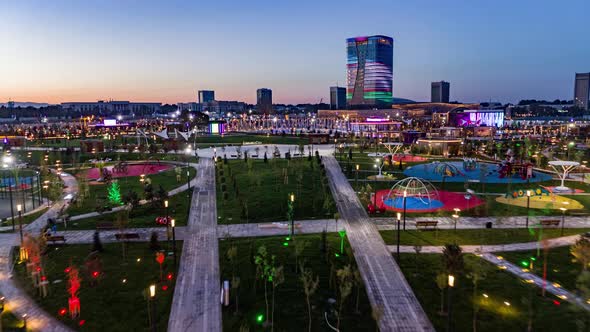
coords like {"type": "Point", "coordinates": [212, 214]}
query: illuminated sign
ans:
{"type": "Point", "coordinates": [109, 122]}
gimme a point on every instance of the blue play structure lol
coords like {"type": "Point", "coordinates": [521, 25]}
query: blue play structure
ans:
{"type": "Point", "coordinates": [480, 171]}
{"type": "Point", "coordinates": [11, 181]}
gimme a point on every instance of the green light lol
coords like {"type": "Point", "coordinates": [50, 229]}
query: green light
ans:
{"type": "Point", "coordinates": [524, 263]}
{"type": "Point", "coordinates": [288, 238]}
{"type": "Point", "coordinates": [286, 244]}
{"type": "Point", "coordinates": [337, 254]}
{"type": "Point", "coordinates": [260, 318]}
{"type": "Point", "coordinates": [533, 259]}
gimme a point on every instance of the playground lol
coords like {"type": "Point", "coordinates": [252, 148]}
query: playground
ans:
{"type": "Point", "coordinates": [540, 198]}
{"type": "Point", "coordinates": [420, 196]}
{"type": "Point", "coordinates": [406, 158]}
{"type": "Point", "coordinates": [122, 169]}
{"type": "Point", "coordinates": [470, 169]}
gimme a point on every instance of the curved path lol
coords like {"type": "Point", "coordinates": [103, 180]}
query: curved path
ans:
{"type": "Point", "coordinates": [17, 301]}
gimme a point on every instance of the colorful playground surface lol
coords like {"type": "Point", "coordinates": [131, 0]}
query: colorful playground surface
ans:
{"type": "Point", "coordinates": [129, 170]}
{"type": "Point", "coordinates": [408, 158]}
{"type": "Point", "coordinates": [550, 202]}
{"type": "Point", "coordinates": [442, 201]}
{"type": "Point", "coordinates": [461, 171]}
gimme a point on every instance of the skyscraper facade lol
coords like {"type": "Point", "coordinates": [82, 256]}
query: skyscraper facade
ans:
{"type": "Point", "coordinates": [582, 90]}
{"type": "Point", "coordinates": [264, 101]}
{"type": "Point", "coordinates": [206, 96]}
{"type": "Point", "coordinates": [337, 98]}
{"type": "Point", "coordinates": [369, 71]}
{"type": "Point", "coordinates": [439, 92]}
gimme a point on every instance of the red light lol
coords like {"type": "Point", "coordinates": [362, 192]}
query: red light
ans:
{"type": "Point", "coordinates": [67, 270]}
{"type": "Point", "coordinates": [38, 269]}
{"type": "Point", "coordinates": [165, 287]}
{"type": "Point", "coordinates": [43, 278]}
{"type": "Point", "coordinates": [81, 322]}
{"type": "Point", "coordinates": [169, 276]}
{"type": "Point", "coordinates": [62, 311]}
{"type": "Point", "coordinates": [95, 274]}
{"type": "Point", "coordinates": [556, 302]}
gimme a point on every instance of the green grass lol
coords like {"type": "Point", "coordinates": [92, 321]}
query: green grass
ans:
{"type": "Point", "coordinates": [141, 216]}
{"type": "Point", "coordinates": [290, 307]}
{"type": "Point", "coordinates": [473, 236]}
{"type": "Point", "coordinates": [98, 192]}
{"type": "Point", "coordinates": [111, 305]}
{"type": "Point", "coordinates": [561, 267]}
{"type": "Point", "coordinates": [26, 219]}
{"type": "Point", "coordinates": [494, 315]}
{"type": "Point", "coordinates": [264, 191]}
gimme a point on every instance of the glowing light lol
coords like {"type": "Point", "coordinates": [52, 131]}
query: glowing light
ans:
{"type": "Point", "coordinates": [485, 295]}
{"type": "Point", "coordinates": [506, 303]}
{"type": "Point", "coordinates": [62, 311]}
{"type": "Point", "coordinates": [260, 317]}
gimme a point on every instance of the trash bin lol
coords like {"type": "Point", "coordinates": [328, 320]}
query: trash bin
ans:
{"type": "Point", "coordinates": [489, 224]}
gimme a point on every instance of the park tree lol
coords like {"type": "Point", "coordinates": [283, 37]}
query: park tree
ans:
{"type": "Point", "coordinates": [114, 193]}
{"type": "Point", "coordinates": [477, 272]}
{"type": "Point", "coordinates": [310, 285]}
{"type": "Point", "coordinates": [452, 257]}
{"type": "Point", "coordinates": [300, 246]}
{"type": "Point", "coordinates": [581, 252]}
{"type": "Point", "coordinates": [263, 270]}
{"type": "Point", "coordinates": [277, 278]}
{"type": "Point", "coordinates": [441, 283]}
{"type": "Point", "coordinates": [345, 282]}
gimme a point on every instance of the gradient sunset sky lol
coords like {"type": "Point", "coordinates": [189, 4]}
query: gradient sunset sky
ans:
{"type": "Point", "coordinates": [506, 50]}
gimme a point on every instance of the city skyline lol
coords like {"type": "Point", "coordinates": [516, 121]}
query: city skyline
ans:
{"type": "Point", "coordinates": [67, 51]}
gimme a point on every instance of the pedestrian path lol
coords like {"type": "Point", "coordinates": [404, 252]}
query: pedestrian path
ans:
{"type": "Point", "coordinates": [386, 286]}
{"type": "Point", "coordinates": [195, 306]}
{"type": "Point", "coordinates": [16, 300]}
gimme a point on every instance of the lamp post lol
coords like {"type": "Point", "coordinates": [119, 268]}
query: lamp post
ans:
{"type": "Point", "coordinates": [173, 225]}
{"type": "Point", "coordinates": [405, 199]}
{"type": "Point", "coordinates": [167, 222]}
{"type": "Point", "coordinates": [528, 205]}
{"type": "Point", "coordinates": [152, 302]}
{"type": "Point", "coordinates": [562, 218]}
{"type": "Point", "coordinates": [451, 284]}
{"type": "Point", "coordinates": [290, 213]}
{"type": "Point", "coordinates": [399, 217]}
{"type": "Point", "coordinates": [6, 161]}
{"type": "Point", "coordinates": [356, 179]}
{"type": "Point", "coordinates": [19, 208]}
{"type": "Point", "coordinates": [456, 220]}
{"type": "Point", "coordinates": [46, 187]}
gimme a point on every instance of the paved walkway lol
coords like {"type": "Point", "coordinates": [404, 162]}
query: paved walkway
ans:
{"type": "Point", "coordinates": [195, 306]}
{"type": "Point", "coordinates": [385, 284]}
{"type": "Point", "coordinates": [17, 301]}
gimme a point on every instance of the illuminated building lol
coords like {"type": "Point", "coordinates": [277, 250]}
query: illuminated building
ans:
{"type": "Point", "coordinates": [264, 101]}
{"type": "Point", "coordinates": [369, 71]}
{"type": "Point", "coordinates": [582, 90]}
{"type": "Point", "coordinates": [337, 98]}
{"type": "Point", "coordinates": [206, 96]}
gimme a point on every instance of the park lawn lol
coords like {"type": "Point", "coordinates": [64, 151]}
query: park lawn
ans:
{"type": "Point", "coordinates": [141, 216]}
{"type": "Point", "coordinates": [26, 219]}
{"type": "Point", "coordinates": [256, 191]}
{"type": "Point", "coordinates": [494, 315]}
{"type": "Point", "coordinates": [290, 306]}
{"type": "Point", "coordinates": [112, 305]}
{"type": "Point", "coordinates": [99, 192]}
{"type": "Point", "coordinates": [11, 323]}
{"type": "Point", "coordinates": [561, 267]}
{"type": "Point", "coordinates": [481, 236]}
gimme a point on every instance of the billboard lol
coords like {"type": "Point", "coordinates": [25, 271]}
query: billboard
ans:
{"type": "Point", "coordinates": [475, 118]}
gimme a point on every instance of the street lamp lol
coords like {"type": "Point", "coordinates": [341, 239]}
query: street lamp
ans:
{"type": "Point", "coordinates": [152, 302]}
{"type": "Point", "coordinates": [399, 217]}
{"type": "Point", "coordinates": [356, 180]}
{"type": "Point", "coordinates": [6, 161]}
{"type": "Point", "coordinates": [173, 225]}
{"type": "Point", "coordinates": [528, 205]}
{"type": "Point", "coordinates": [167, 222]}
{"type": "Point", "coordinates": [19, 208]}
{"type": "Point", "coordinates": [290, 213]}
{"type": "Point", "coordinates": [455, 219]}
{"type": "Point", "coordinates": [562, 218]}
{"type": "Point", "coordinates": [405, 199]}
{"type": "Point", "coordinates": [451, 284]}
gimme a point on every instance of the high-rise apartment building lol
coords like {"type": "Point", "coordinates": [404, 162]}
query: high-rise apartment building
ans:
{"type": "Point", "coordinates": [369, 71]}
{"type": "Point", "coordinates": [439, 92]}
{"type": "Point", "coordinates": [582, 90]}
{"type": "Point", "coordinates": [206, 96]}
{"type": "Point", "coordinates": [264, 101]}
{"type": "Point", "coordinates": [337, 98]}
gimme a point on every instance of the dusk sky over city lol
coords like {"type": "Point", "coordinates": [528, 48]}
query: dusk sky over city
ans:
{"type": "Point", "coordinates": [57, 51]}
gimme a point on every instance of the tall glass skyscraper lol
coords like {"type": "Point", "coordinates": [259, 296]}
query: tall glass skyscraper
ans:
{"type": "Point", "coordinates": [369, 71]}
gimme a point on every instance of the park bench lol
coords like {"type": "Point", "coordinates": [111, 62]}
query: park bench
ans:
{"type": "Point", "coordinates": [233, 155]}
{"type": "Point", "coordinates": [127, 236]}
{"type": "Point", "coordinates": [56, 238]}
{"type": "Point", "coordinates": [550, 222]}
{"type": "Point", "coordinates": [578, 213]}
{"type": "Point", "coordinates": [429, 224]}
{"type": "Point", "coordinates": [105, 226]}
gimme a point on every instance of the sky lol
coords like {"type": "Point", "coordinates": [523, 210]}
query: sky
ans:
{"type": "Point", "coordinates": [164, 51]}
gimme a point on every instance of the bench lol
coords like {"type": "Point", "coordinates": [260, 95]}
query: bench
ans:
{"type": "Point", "coordinates": [127, 236]}
{"type": "Point", "coordinates": [550, 222]}
{"type": "Point", "coordinates": [578, 213]}
{"type": "Point", "coordinates": [430, 224]}
{"type": "Point", "coordinates": [105, 226]}
{"type": "Point", "coordinates": [56, 238]}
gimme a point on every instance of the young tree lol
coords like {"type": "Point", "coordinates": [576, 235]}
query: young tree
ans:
{"type": "Point", "coordinates": [277, 277]}
{"type": "Point", "coordinates": [581, 251]}
{"type": "Point", "coordinates": [114, 193]}
{"type": "Point", "coordinates": [262, 262]}
{"type": "Point", "coordinates": [300, 246]}
{"type": "Point", "coordinates": [452, 259]}
{"type": "Point", "coordinates": [478, 271]}
{"type": "Point", "coordinates": [310, 285]}
{"type": "Point", "coordinates": [345, 288]}
{"type": "Point", "coordinates": [441, 283]}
